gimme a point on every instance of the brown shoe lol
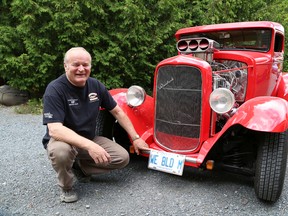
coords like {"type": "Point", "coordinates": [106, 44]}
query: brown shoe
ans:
{"type": "Point", "coordinates": [68, 196]}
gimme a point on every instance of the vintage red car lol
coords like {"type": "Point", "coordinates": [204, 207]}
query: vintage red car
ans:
{"type": "Point", "coordinates": [221, 102]}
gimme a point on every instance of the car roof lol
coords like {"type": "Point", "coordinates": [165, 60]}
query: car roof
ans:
{"type": "Point", "coordinates": [230, 26]}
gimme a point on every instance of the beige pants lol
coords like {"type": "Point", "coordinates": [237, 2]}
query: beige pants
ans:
{"type": "Point", "coordinates": [63, 155]}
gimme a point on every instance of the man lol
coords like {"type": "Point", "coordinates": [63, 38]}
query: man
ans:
{"type": "Point", "coordinates": [71, 105]}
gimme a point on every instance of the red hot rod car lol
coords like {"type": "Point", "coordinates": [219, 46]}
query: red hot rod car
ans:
{"type": "Point", "coordinates": [220, 103]}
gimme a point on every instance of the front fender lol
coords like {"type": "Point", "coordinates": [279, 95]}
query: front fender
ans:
{"type": "Point", "coordinates": [264, 113]}
{"type": "Point", "coordinates": [283, 87]}
{"type": "Point", "coordinates": [267, 114]}
{"type": "Point", "coordinates": [141, 116]}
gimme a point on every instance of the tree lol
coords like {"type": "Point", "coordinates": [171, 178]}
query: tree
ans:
{"type": "Point", "coordinates": [276, 11]}
{"type": "Point", "coordinates": [126, 38]}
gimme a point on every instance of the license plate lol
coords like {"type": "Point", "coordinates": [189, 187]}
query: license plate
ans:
{"type": "Point", "coordinates": [166, 162]}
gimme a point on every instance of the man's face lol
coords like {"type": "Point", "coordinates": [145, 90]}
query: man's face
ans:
{"type": "Point", "coordinates": [78, 67]}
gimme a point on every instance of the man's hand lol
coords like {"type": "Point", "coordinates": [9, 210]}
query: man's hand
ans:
{"type": "Point", "coordinates": [140, 144]}
{"type": "Point", "coordinates": [99, 155]}
{"type": "Point", "coordinates": [126, 123]}
{"type": "Point", "coordinates": [65, 134]}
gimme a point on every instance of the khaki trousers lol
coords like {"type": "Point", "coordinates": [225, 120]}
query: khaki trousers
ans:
{"type": "Point", "coordinates": [63, 155]}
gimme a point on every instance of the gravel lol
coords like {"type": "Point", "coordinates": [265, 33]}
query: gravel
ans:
{"type": "Point", "coordinates": [28, 184]}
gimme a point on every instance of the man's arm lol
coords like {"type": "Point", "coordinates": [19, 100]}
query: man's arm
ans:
{"type": "Point", "coordinates": [125, 122]}
{"type": "Point", "coordinates": [59, 132]}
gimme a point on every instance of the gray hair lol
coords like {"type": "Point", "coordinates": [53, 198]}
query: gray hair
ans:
{"type": "Point", "coordinates": [72, 49]}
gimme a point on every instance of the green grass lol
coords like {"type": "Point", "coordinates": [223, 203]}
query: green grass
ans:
{"type": "Point", "coordinates": [33, 106]}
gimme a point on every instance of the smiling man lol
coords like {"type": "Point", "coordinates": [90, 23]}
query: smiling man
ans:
{"type": "Point", "coordinates": [71, 106]}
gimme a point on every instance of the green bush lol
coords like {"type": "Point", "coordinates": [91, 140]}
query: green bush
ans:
{"type": "Point", "coordinates": [33, 106]}
{"type": "Point", "coordinates": [126, 38]}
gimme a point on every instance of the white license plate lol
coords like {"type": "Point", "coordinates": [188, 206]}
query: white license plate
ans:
{"type": "Point", "coordinates": [166, 162]}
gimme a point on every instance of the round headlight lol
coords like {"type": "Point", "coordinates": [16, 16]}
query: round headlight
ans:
{"type": "Point", "coordinates": [221, 100]}
{"type": "Point", "coordinates": [135, 96]}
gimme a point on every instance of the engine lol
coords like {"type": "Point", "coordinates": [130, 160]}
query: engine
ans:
{"type": "Point", "coordinates": [226, 73]}
{"type": "Point", "coordinates": [199, 47]}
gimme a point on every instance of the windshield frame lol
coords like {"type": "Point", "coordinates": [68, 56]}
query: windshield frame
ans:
{"type": "Point", "coordinates": [256, 39]}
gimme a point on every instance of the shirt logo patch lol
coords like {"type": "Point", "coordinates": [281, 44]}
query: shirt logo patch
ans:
{"type": "Point", "coordinates": [93, 97]}
{"type": "Point", "coordinates": [73, 102]}
{"type": "Point", "coordinates": [48, 115]}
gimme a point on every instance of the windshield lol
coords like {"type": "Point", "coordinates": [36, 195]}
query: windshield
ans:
{"type": "Point", "coordinates": [246, 39]}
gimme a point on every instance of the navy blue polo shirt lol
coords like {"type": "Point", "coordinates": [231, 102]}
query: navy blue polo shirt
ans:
{"type": "Point", "coordinates": [75, 107]}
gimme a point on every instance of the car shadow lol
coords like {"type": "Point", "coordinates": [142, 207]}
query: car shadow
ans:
{"type": "Point", "coordinates": [138, 167]}
{"type": "Point", "coordinates": [195, 174]}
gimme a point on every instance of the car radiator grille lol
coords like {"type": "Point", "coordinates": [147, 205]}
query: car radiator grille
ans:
{"type": "Point", "coordinates": [178, 107]}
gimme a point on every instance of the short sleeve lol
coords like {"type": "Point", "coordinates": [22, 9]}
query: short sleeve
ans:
{"type": "Point", "coordinates": [108, 101]}
{"type": "Point", "coordinates": [53, 107]}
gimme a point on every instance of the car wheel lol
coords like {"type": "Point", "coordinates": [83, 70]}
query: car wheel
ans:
{"type": "Point", "coordinates": [121, 136]}
{"type": "Point", "coordinates": [271, 166]}
{"type": "Point", "coordinates": [104, 124]}
{"type": "Point", "coordinates": [107, 126]}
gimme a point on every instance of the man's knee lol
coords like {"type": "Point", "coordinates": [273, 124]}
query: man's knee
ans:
{"type": "Point", "coordinates": [123, 159]}
{"type": "Point", "coordinates": [61, 152]}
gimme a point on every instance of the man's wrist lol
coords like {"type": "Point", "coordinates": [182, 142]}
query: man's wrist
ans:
{"type": "Point", "coordinates": [135, 137]}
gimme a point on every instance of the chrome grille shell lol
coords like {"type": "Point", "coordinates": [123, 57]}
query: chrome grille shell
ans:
{"type": "Point", "coordinates": [178, 107]}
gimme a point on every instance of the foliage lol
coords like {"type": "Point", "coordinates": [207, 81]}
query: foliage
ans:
{"type": "Point", "coordinates": [33, 106]}
{"type": "Point", "coordinates": [126, 38]}
{"type": "Point", "coordinates": [122, 36]}
{"type": "Point", "coordinates": [276, 11]}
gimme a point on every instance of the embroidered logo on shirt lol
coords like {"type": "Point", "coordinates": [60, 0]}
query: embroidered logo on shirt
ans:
{"type": "Point", "coordinates": [48, 115]}
{"type": "Point", "coordinates": [73, 102]}
{"type": "Point", "coordinates": [93, 97]}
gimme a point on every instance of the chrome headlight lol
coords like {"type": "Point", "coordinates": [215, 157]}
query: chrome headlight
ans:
{"type": "Point", "coordinates": [135, 96]}
{"type": "Point", "coordinates": [221, 100]}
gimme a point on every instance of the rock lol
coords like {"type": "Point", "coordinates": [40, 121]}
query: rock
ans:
{"type": "Point", "coordinates": [10, 96]}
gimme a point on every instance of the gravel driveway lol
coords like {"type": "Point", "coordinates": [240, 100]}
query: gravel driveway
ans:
{"type": "Point", "coordinates": [28, 184]}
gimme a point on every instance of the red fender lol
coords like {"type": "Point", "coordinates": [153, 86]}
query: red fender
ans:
{"type": "Point", "coordinates": [265, 113]}
{"type": "Point", "coordinates": [269, 114]}
{"type": "Point", "coordinates": [141, 116]}
{"type": "Point", "coordinates": [283, 87]}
